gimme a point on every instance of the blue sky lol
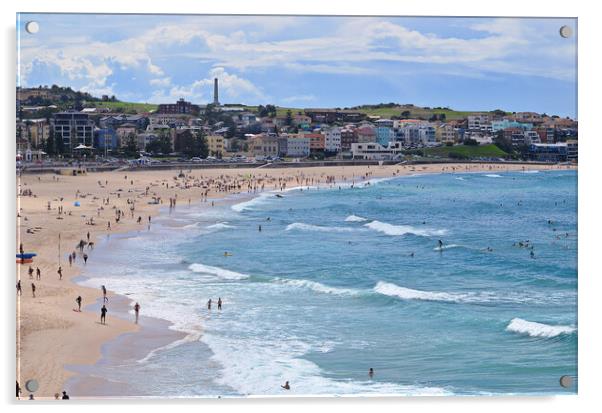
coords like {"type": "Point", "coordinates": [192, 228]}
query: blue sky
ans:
{"type": "Point", "coordinates": [462, 63]}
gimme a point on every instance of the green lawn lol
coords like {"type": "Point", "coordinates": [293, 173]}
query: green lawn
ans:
{"type": "Point", "coordinates": [127, 107]}
{"type": "Point", "coordinates": [466, 151]}
{"type": "Point", "coordinates": [415, 112]}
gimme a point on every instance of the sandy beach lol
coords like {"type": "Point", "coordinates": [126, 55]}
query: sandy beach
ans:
{"type": "Point", "coordinates": [51, 333]}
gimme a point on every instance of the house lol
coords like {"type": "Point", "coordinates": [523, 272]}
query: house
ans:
{"type": "Point", "coordinates": [263, 145]}
{"type": "Point", "coordinates": [375, 151]}
{"type": "Point", "coordinates": [215, 144]}
{"type": "Point", "coordinates": [316, 141]}
{"type": "Point", "coordinates": [302, 121]}
{"type": "Point", "coordinates": [334, 115]}
{"type": "Point", "coordinates": [171, 120]}
{"type": "Point", "coordinates": [348, 136]}
{"type": "Point", "coordinates": [446, 134]}
{"type": "Point", "coordinates": [114, 121]}
{"type": "Point", "coordinates": [479, 122]}
{"type": "Point", "coordinates": [295, 146]}
{"type": "Point", "coordinates": [365, 134]}
{"type": "Point", "coordinates": [124, 132]}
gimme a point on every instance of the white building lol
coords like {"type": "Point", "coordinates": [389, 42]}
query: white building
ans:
{"type": "Point", "coordinates": [531, 137]}
{"type": "Point", "coordinates": [375, 151]}
{"type": "Point", "coordinates": [481, 122]}
{"type": "Point", "coordinates": [332, 140]}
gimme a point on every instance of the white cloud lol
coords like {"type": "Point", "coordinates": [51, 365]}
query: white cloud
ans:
{"type": "Point", "coordinates": [350, 46]}
{"type": "Point", "coordinates": [299, 98]}
{"type": "Point", "coordinates": [231, 86]}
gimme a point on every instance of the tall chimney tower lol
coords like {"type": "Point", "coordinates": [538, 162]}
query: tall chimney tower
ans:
{"type": "Point", "coordinates": [215, 93]}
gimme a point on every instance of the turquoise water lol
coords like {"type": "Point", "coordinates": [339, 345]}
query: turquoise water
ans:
{"type": "Point", "coordinates": [342, 280]}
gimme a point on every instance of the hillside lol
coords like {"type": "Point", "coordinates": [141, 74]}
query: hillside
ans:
{"type": "Point", "coordinates": [462, 151]}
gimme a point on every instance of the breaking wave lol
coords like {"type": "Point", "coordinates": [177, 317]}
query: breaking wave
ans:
{"type": "Point", "coordinates": [396, 230]}
{"type": "Point", "coordinates": [533, 329]}
{"type": "Point", "coordinates": [309, 227]}
{"type": "Point", "coordinates": [217, 272]}
{"type": "Point", "coordinates": [355, 218]}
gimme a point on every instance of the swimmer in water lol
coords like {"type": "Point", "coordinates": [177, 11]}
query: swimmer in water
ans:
{"type": "Point", "coordinates": [440, 244]}
{"type": "Point", "coordinates": [286, 386]}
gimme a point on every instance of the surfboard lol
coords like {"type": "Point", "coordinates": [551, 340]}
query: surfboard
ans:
{"type": "Point", "coordinates": [26, 255]}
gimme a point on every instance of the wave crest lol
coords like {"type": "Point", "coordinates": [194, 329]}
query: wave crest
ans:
{"type": "Point", "coordinates": [397, 230]}
{"type": "Point", "coordinates": [534, 329]}
{"type": "Point", "coordinates": [355, 218]}
{"type": "Point", "coordinates": [318, 287]}
{"type": "Point", "coordinates": [217, 272]}
{"type": "Point", "coordinates": [309, 227]}
{"type": "Point", "coordinates": [404, 293]}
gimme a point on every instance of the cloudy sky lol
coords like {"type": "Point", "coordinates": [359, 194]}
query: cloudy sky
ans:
{"type": "Point", "coordinates": [462, 63]}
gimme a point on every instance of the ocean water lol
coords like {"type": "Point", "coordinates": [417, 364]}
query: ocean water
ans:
{"type": "Point", "coordinates": [342, 280]}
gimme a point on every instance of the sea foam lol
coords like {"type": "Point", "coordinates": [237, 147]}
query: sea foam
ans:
{"type": "Point", "coordinates": [309, 227]}
{"type": "Point", "coordinates": [355, 218]}
{"type": "Point", "coordinates": [533, 329]}
{"type": "Point", "coordinates": [396, 230]}
{"type": "Point", "coordinates": [493, 175]}
{"type": "Point", "coordinates": [404, 293]}
{"type": "Point", "coordinates": [318, 287]}
{"type": "Point", "coordinates": [217, 272]}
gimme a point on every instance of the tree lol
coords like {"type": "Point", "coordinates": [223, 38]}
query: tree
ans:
{"type": "Point", "coordinates": [131, 147]}
{"type": "Point", "coordinates": [193, 144]}
{"type": "Point", "coordinates": [289, 118]}
{"type": "Point", "coordinates": [503, 143]}
{"type": "Point", "coordinates": [406, 114]}
{"type": "Point", "coordinates": [49, 146]}
{"type": "Point", "coordinates": [471, 142]}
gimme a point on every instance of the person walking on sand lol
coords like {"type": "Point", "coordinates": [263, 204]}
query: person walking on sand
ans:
{"type": "Point", "coordinates": [104, 294]}
{"type": "Point", "coordinates": [219, 303]}
{"type": "Point", "coordinates": [33, 290]}
{"type": "Point", "coordinates": [19, 290]}
{"type": "Point", "coordinates": [85, 258]}
{"type": "Point", "coordinates": [103, 314]}
{"type": "Point", "coordinates": [137, 311]}
{"type": "Point", "coordinates": [30, 272]}
{"type": "Point", "coordinates": [60, 272]}
{"type": "Point", "coordinates": [78, 300]}
{"type": "Point", "coordinates": [88, 236]}
{"type": "Point", "coordinates": [209, 305]}
{"type": "Point", "coordinates": [38, 274]}
{"type": "Point", "coordinates": [70, 260]}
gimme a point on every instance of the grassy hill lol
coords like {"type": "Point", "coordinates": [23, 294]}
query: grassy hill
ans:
{"type": "Point", "coordinates": [463, 151]}
{"type": "Point", "coordinates": [126, 107]}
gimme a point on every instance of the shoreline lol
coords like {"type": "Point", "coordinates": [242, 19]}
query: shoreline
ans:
{"type": "Point", "coordinates": [64, 328]}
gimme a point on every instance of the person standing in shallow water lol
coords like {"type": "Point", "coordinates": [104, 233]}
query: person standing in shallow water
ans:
{"type": "Point", "coordinates": [103, 314]}
{"type": "Point", "coordinates": [219, 303]}
{"type": "Point", "coordinates": [137, 311]}
{"type": "Point", "coordinates": [209, 304]}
